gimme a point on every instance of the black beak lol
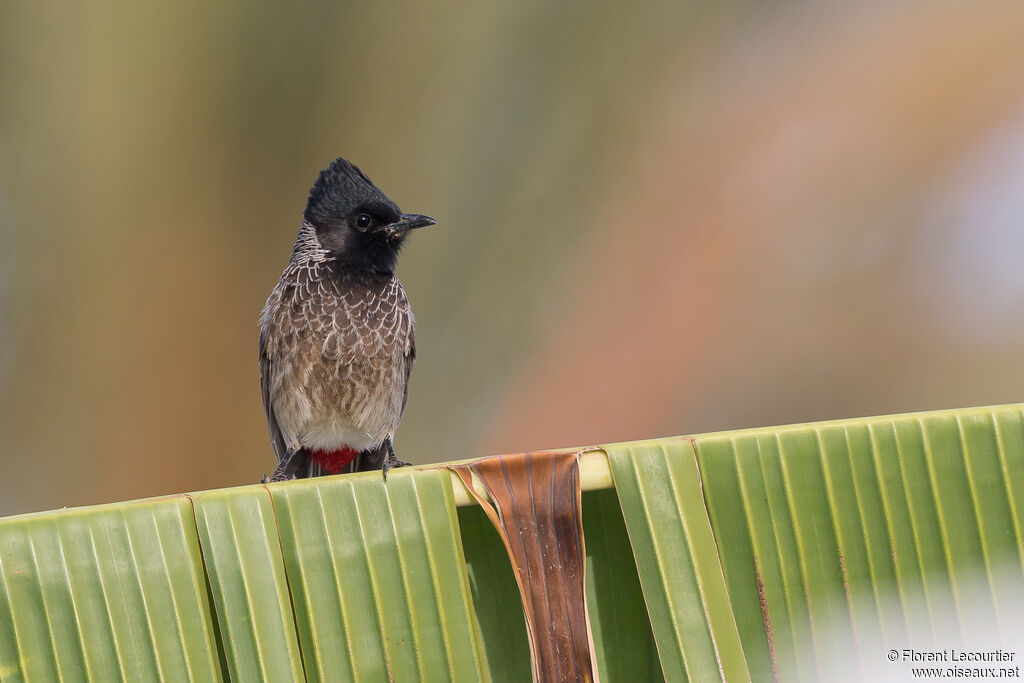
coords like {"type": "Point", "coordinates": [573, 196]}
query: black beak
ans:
{"type": "Point", "coordinates": [407, 222]}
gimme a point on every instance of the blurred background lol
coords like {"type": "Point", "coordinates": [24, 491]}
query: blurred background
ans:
{"type": "Point", "coordinates": [654, 219]}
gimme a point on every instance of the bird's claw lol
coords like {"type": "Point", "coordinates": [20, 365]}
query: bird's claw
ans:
{"type": "Point", "coordinates": [391, 462]}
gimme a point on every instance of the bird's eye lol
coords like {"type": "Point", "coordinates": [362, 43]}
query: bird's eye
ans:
{"type": "Point", "coordinates": [363, 221]}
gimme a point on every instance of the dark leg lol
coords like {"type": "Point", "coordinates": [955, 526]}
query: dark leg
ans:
{"type": "Point", "coordinates": [391, 460]}
{"type": "Point", "coordinates": [292, 465]}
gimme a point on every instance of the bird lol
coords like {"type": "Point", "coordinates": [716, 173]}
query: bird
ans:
{"type": "Point", "coordinates": [337, 340]}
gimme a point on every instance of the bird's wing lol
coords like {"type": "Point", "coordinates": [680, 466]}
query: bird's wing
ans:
{"type": "Point", "coordinates": [266, 367]}
{"type": "Point", "coordinates": [409, 358]}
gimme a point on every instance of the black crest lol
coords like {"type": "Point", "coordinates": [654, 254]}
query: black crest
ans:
{"type": "Point", "coordinates": [340, 190]}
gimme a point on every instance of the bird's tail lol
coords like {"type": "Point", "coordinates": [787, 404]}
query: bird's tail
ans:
{"type": "Point", "coordinates": [369, 461]}
{"type": "Point", "coordinates": [366, 461]}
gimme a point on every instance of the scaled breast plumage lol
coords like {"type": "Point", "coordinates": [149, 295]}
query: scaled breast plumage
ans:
{"type": "Point", "coordinates": [335, 351]}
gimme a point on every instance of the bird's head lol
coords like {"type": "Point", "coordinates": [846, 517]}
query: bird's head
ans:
{"type": "Point", "coordinates": [356, 222]}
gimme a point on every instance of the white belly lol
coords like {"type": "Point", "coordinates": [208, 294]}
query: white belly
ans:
{"type": "Point", "coordinates": [336, 432]}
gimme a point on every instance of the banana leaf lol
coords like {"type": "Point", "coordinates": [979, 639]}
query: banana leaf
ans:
{"type": "Point", "coordinates": [806, 552]}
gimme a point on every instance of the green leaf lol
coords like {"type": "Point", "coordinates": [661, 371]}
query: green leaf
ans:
{"type": "Point", "coordinates": [774, 551]}
{"type": "Point", "coordinates": [506, 652]}
{"type": "Point", "coordinates": [677, 558]}
{"type": "Point", "coordinates": [242, 553]}
{"type": "Point", "coordinates": [623, 642]}
{"type": "Point", "coordinates": [113, 592]}
{"type": "Point", "coordinates": [377, 577]}
{"type": "Point", "coordinates": [902, 509]}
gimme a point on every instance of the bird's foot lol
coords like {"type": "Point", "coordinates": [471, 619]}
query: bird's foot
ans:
{"type": "Point", "coordinates": [391, 460]}
{"type": "Point", "coordinates": [392, 463]}
{"type": "Point", "coordinates": [282, 477]}
{"type": "Point", "coordinates": [286, 469]}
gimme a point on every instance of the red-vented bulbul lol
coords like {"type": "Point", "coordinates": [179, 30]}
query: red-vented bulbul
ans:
{"type": "Point", "coordinates": [336, 336]}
